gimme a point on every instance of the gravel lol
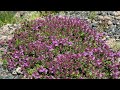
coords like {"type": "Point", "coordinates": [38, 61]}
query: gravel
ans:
{"type": "Point", "coordinates": [5, 36]}
{"type": "Point", "coordinates": [111, 17]}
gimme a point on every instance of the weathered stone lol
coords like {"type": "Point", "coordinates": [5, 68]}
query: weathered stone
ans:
{"type": "Point", "coordinates": [118, 17]}
{"type": "Point", "coordinates": [18, 70]}
{"type": "Point", "coordinates": [3, 38]}
{"type": "Point", "coordinates": [10, 37]}
{"type": "Point", "coordinates": [14, 72]}
{"type": "Point", "coordinates": [119, 60]}
{"type": "Point", "coordinates": [110, 42]}
{"type": "Point", "coordinates": [100, 17]}
{"type": "Point", "coordinates": [109, 22]}
{"type": "Point", "coordinates": [118, 12]}
{"type": "Point", "coordinates": [106, 18]}
{"type": "Point", "coordinates": [115, 13]}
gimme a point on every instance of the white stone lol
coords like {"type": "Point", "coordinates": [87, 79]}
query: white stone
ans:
{"type": "Point", "coordinates": [115, 13]}
{"type": "Point", "coordinates": [10, 37]}
{"type": "Point", "coordinates": [3, 38]}
{"type": "Point", "coordinates": [14, 72]}
{"type": "Point", "coordinates": [18, 70]}
{"type": "Point", "coordinates": [100, 17]}
{"type": "Point", "coordinates": [118, 59]}
{"type": "Point", "coordinates": [118, 13]}
{"type": "Point", "coordinates": [94, 21]}
{"type": "Point", "coordinates": [106, 18]}
{"type": "Point", "coordinates": [11, 31]}
{"type": "Point", "coordinates": [118, 23]}
{"type": "Point", "coordinates": [109, 22]}
{"type": "Point", "coordinates": [118, 17]}
{"type": "Point", "coordinates": [100, 22]}
{"type": "Point", "coordinates": [110, 42]}
{"type": "Point", "coordinates": [107, 27]}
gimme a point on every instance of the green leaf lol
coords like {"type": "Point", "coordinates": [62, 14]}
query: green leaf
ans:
{"type": "Point", "coordinates": [4, 62]}
{"type": "Point", "coordinates": [30, 71]}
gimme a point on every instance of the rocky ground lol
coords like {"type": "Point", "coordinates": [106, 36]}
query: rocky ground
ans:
{"type": "Point", "coordinates": [107, 21]}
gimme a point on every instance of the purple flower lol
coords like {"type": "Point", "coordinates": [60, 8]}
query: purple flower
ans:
{"type": "Point", "coordinates": [40, 58]}
{"type": "Point", "coordinates": [70, 43]}
{"type": "Point", "coordinates": [93, 58]}
{"type": "Point", "coordinates": [16, 56]}
{"type": "Point", "coordinates": [91, 53]}
{"type": "Point", "coordinates": [98, 62]}
{"type": "Point", "coordinates": [55, 43]}
{"type": "Point", "coordinates": [79, 55]}
{"type": "Point", "coordinates": [25, 64]}
{"type": "Point", "coordinates": [85, 54]}
{"type": "Point", "coordinates": [36, 75]}
{"type": "Point", "coordinates": [50, 48]}
{"type": "Point", "coordinates": [43, 70]}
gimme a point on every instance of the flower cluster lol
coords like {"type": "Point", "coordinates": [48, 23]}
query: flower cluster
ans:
{"type": "Point", "coordinates": [61, 48]}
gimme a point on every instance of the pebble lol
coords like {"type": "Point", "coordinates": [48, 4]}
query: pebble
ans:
{"type": "Point", "coordinates": [3, 38]}
{"type": "Point", "coordinates": [106, 18]}
{"type": "Point", "coordinates": [109, 22]}
{"type": "Point", "coordinates": [119, 60]}
{"type": "Point", "coordinates": [14, 72]}
{"type": "Point", "coordinates": [118, 17]}
{"type": "Point", "coordinates": [101, 17]}
{"type": "Point", "coordinates": [115, 13]}
{"type": "Point", "coordinates": [10, 37]}
{"type": "Point", "coordinates": [118, 13]}
{"type": "Point", "coordinates": [18, 70]}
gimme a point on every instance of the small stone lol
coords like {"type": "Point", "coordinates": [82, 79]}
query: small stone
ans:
{"type": "Point", "coordinates": [3, 38]}
{"type": "Point", "coordinates": [110, 42]}
{"type": "Point", "coordinates": [117, 37]}
{"type": "Point", "coordinates": [11, 31]}
{"type": "Point", "coordinates": [1, 77]}
{"type": "Point", "coordinates": [107, 27]}
{"type": "Point", "coordinates": [14, 72]}
{"type": "Point", "coordinates": [107, 18]}
{"type": "Point", "coordinates": [107, 37]}
{"type": "Point", "coordinates": [2, 49]}
{"type": "Point", "coordinates": [118, 13]}
{"type": "Point", "coordinates": [89, 20]}
{"type": "Point", "coordinates": [9, 77]}
{"type": "Point", "coordinates": [109, 22]}
{"type": "Point", "coordinates": [18, 70]}
{"type": "Point", "coordinates": [100, 17]}
{"type": "Point", "coordinates": [93, 21]}
{"type": "Point", "coordinates": [100, 22]}
{"type": "Point", "coordinates": [94, 25]}
{"type": "Point", "coordinates": [119, 60]}
{"type": "Point", "coordinates": [118, 23]}
{"type": "Point", "coordinates": [115, 13]}
{"type": "Point", "coordinates": [10, 37]}
{"type": "Point", "coordinates": [104, 38]}
{"type": "Point", "coordinates": [17, 77]}
{"type": "Point", "coordinates": [118, 17]}
{"type": "Point", "coordinates": [114, 22]}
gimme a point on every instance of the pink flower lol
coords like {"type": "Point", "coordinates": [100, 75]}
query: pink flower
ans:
{"type": "Point", "coordinates": [70, 43]}
{"type": "Point", "coordinates": [98, 62]}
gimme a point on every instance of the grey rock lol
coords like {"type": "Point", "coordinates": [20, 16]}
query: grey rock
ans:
{"type": "Point", "coordinates": [1, 77]}
{"type": "Point", "coordinates": [9, 77]}
{"type": "Point", "coordinates": [17, 77]}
